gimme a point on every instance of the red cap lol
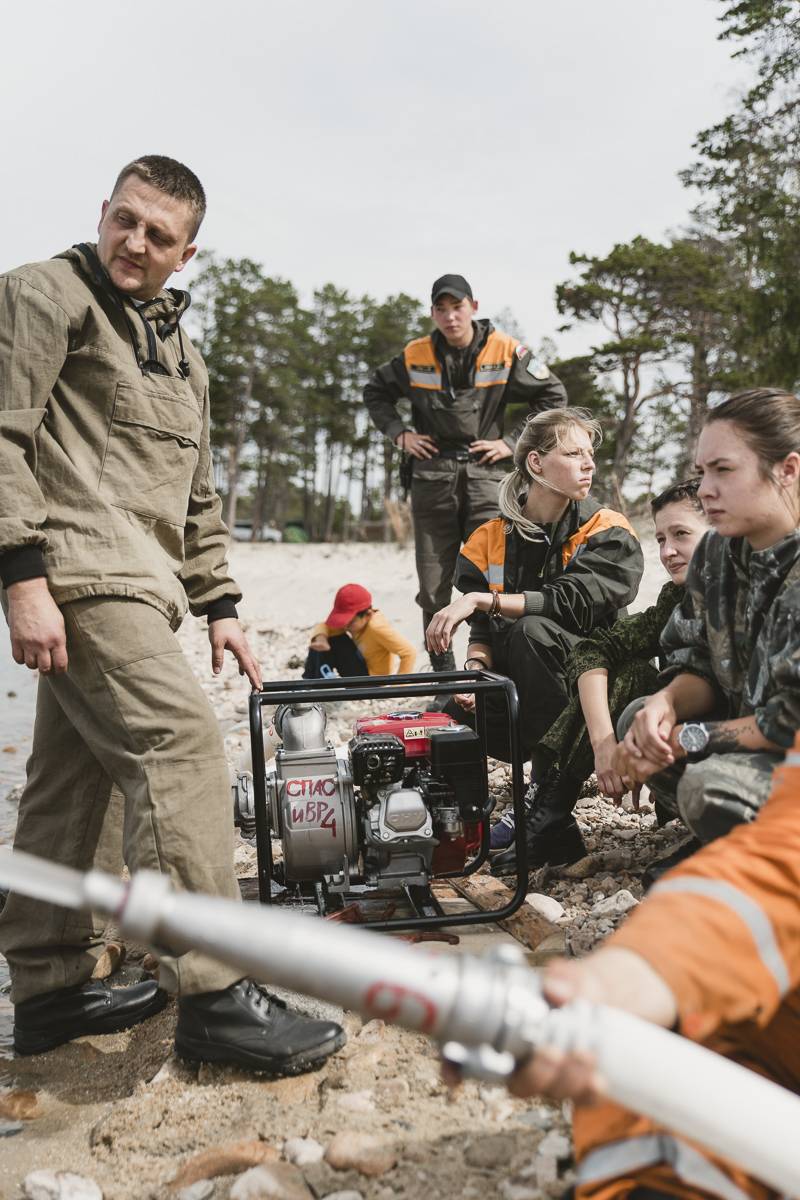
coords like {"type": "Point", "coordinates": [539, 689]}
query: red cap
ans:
{"type": "Point", "coordinates": [350, 599]}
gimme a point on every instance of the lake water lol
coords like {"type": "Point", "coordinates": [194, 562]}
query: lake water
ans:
{"type": "Point", "coordinates": [17, 703]}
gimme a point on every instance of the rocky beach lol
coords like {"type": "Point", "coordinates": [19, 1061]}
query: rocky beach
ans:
{"type": "Point", "coordinates": [120, 1117]}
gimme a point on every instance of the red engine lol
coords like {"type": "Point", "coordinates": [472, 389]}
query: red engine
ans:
{"type": "Point", "coordinates": [413, 728]}
{"type": "Point", "coordinates": [441, 759]}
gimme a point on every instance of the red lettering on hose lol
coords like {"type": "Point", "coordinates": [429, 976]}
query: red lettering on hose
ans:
{"type": "Point", "coordinates": [388, 1000]}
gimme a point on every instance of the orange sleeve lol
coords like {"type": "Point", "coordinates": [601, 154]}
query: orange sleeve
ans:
{"type": "Point", "coordinates": [723, 928]}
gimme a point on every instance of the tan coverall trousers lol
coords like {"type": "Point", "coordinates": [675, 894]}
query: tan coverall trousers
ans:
{"type": "Point", "coordinates": [129, 711]}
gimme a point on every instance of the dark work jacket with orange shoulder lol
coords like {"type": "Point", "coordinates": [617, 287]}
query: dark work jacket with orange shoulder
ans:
{"type": "Point", "coordinates": [497, 371]}
{"type": "Point", "coordinates": [591, 569]}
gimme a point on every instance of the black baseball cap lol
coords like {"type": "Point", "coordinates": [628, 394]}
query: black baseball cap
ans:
{"type": "Point", "coordinates": [451, 285]}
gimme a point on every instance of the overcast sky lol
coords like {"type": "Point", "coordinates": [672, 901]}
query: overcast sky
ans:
{"type": "Point", "coordinates": [372, 143]}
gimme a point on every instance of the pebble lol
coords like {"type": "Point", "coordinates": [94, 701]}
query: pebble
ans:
{"type": "Point", "coordinates": [59, 1185]}
{"type": "Point", "coordinates": [357, 1102]}
{"type": "Point", "coordinates": [547, 906]}
{"type": "Point", "coordinates": [555, 1144]}
{"type": "Point", "coordinates": [361, 1151]}
{"type": "Point", "coordinates": [343, 1196]}
{"type": "Point", "coordinates": [621, 902]}
{"type": "Point", "coordinates": [9, 1128]}
{"type": "Point", "coordinates": [230, 1158]}
{"type": "Point", "coordinates": [302, 1151]}
{"type": "Point", "coordinates": [278, 1181]}
{"type": "Point", "coordinates": [202, 1190]}
{"type": "Point", "coordinates": [19, 1106]}
{"type": "Point", "coordinates": [518, 1191]}
{"type": "Point", "coordinates": [493, 1151]}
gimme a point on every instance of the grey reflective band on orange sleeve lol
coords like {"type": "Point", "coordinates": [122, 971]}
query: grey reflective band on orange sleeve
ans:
{"type": "Point", "coordinates": [792, 759]}
{"type": "Point", "coordinates": [746, 909]}
{"type": "Point", "coordinates": [655, 1149]}
{"type": "Point", "coordinates": [419, 377]}
{"type": "Point", "coordinates": [489, 378]}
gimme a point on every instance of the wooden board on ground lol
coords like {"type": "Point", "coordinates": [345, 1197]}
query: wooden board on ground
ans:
{"type": "Point", "coordinates": [525, 926]}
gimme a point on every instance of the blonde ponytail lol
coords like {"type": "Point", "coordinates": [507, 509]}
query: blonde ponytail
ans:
{"type": "Point", "coordinates": [543, 432]}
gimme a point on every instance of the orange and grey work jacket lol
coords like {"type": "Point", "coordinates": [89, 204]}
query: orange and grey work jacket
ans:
{"type": "Point", "coordinates": [589, 568]}
{"type": "Point", "coordinates": [723, 931]}
{"type": "Point", "coordinates": [457, 402]}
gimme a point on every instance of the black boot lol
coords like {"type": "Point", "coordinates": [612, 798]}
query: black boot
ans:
{"type": "Point", "coordinates": [248, 1027]}
{"type": "Point", "coordinates": [660, 866]}
{"type": "Point", "coordinates": [551, 832]}
{"type": "Point", "coordinates": [53, 1018]}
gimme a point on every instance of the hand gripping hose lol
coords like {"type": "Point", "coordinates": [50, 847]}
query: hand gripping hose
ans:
{"type": "Point", "coordinates": [489, 1014]}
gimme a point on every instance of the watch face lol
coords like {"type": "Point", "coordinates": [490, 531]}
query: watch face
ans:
{"type": "Point", "coordinates": [693, 738]}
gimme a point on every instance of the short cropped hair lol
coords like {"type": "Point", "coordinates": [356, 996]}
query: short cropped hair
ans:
{"type": "Point", "coordinates": [675, 493]}
{"type": "Point", "coordinates": [172, 178]}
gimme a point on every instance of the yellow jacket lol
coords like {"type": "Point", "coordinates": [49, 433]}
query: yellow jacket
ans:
{"type": "Point", "coordinates": [380, 644]}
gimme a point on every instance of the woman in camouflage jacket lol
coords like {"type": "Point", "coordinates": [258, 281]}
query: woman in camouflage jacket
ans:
{"type": "Point", "coordinates": [729, 702]}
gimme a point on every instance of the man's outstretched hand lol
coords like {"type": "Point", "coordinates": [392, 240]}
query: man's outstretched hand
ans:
{"type": "Point", "coordinates": [38, 636]}
{"type": "Point", "coordinates": [227, 634]}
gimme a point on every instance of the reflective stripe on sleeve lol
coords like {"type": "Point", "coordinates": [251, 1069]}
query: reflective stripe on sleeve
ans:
{"type": "Point", "coordinates": [490, 378]}
{"type": "Point", "coordinates": [494, 574]}
{"type": "Point", "coordinates": [747, 910]}
{"type": "Point", "coordinates": [650, 1150]}
{"type": "Point", "coordinates": [425, 379]}
{"type": "Point", "coordinates": [792, 759]}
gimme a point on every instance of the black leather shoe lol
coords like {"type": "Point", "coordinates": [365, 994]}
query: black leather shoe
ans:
{"type": "Point", "coordinates": [53, 1018]}
{"type": "Point", "coordinates": [248, 1027]}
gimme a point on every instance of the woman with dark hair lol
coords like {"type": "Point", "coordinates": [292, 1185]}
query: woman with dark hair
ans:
{"type": "Point", "coordinates": [728, 707]}
{"type": "Point", "coordinates": [555, 566]}
{"type": "Point", "coordinates": [714, 949]}
{"type": "Point", "coordinates": [606, 671]}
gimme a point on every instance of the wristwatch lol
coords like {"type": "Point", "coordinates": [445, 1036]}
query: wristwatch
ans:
{"type": "Point", "coordinates": [693, 738]}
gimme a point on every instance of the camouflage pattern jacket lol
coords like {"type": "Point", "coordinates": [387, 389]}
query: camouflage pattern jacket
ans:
{"type": "Point", "coordinates": [633, 639]}
{"type": "Point", "coordinates": [738, 627]}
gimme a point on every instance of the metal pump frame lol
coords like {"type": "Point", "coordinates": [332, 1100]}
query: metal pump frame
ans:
{"type": "Point", "coordinates": [407, 688]}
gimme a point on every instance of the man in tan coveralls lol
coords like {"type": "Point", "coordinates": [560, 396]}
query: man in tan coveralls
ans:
{"type": "Point", "coordinates": [110, 528]}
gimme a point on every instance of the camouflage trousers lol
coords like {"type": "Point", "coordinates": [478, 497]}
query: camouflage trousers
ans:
{"type": "Point", "coordinates": [714, 794]}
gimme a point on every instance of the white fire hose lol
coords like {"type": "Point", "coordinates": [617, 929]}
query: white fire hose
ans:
{"type": "Point", "coordinates": [487, 1013]}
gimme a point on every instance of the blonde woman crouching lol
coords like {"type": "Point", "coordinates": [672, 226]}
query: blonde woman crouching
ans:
{"type": "Point", "coordinates": [554, 566]}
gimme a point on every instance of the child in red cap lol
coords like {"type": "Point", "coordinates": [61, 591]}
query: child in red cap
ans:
{"type": "Point", "coordinates": [356, 639]}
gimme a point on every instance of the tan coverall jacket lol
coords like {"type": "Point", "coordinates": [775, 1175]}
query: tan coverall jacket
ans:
{"type": "Point", "coordinates": [104, 465]}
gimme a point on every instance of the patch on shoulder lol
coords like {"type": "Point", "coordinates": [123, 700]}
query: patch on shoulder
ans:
{"type": "Point", "coordinates": [521, 350]}
{"type": "Point", "coordinates": [537, 368]}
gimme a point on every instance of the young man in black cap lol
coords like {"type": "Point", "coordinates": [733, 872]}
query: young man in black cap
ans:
{"type": "Point", "coordinates": [459, 380]}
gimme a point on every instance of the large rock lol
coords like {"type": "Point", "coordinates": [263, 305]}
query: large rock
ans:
{"type": "Point", "coordinates": [361, 1152]}
{"type": "Point", "coordinates": [59, 1185]}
